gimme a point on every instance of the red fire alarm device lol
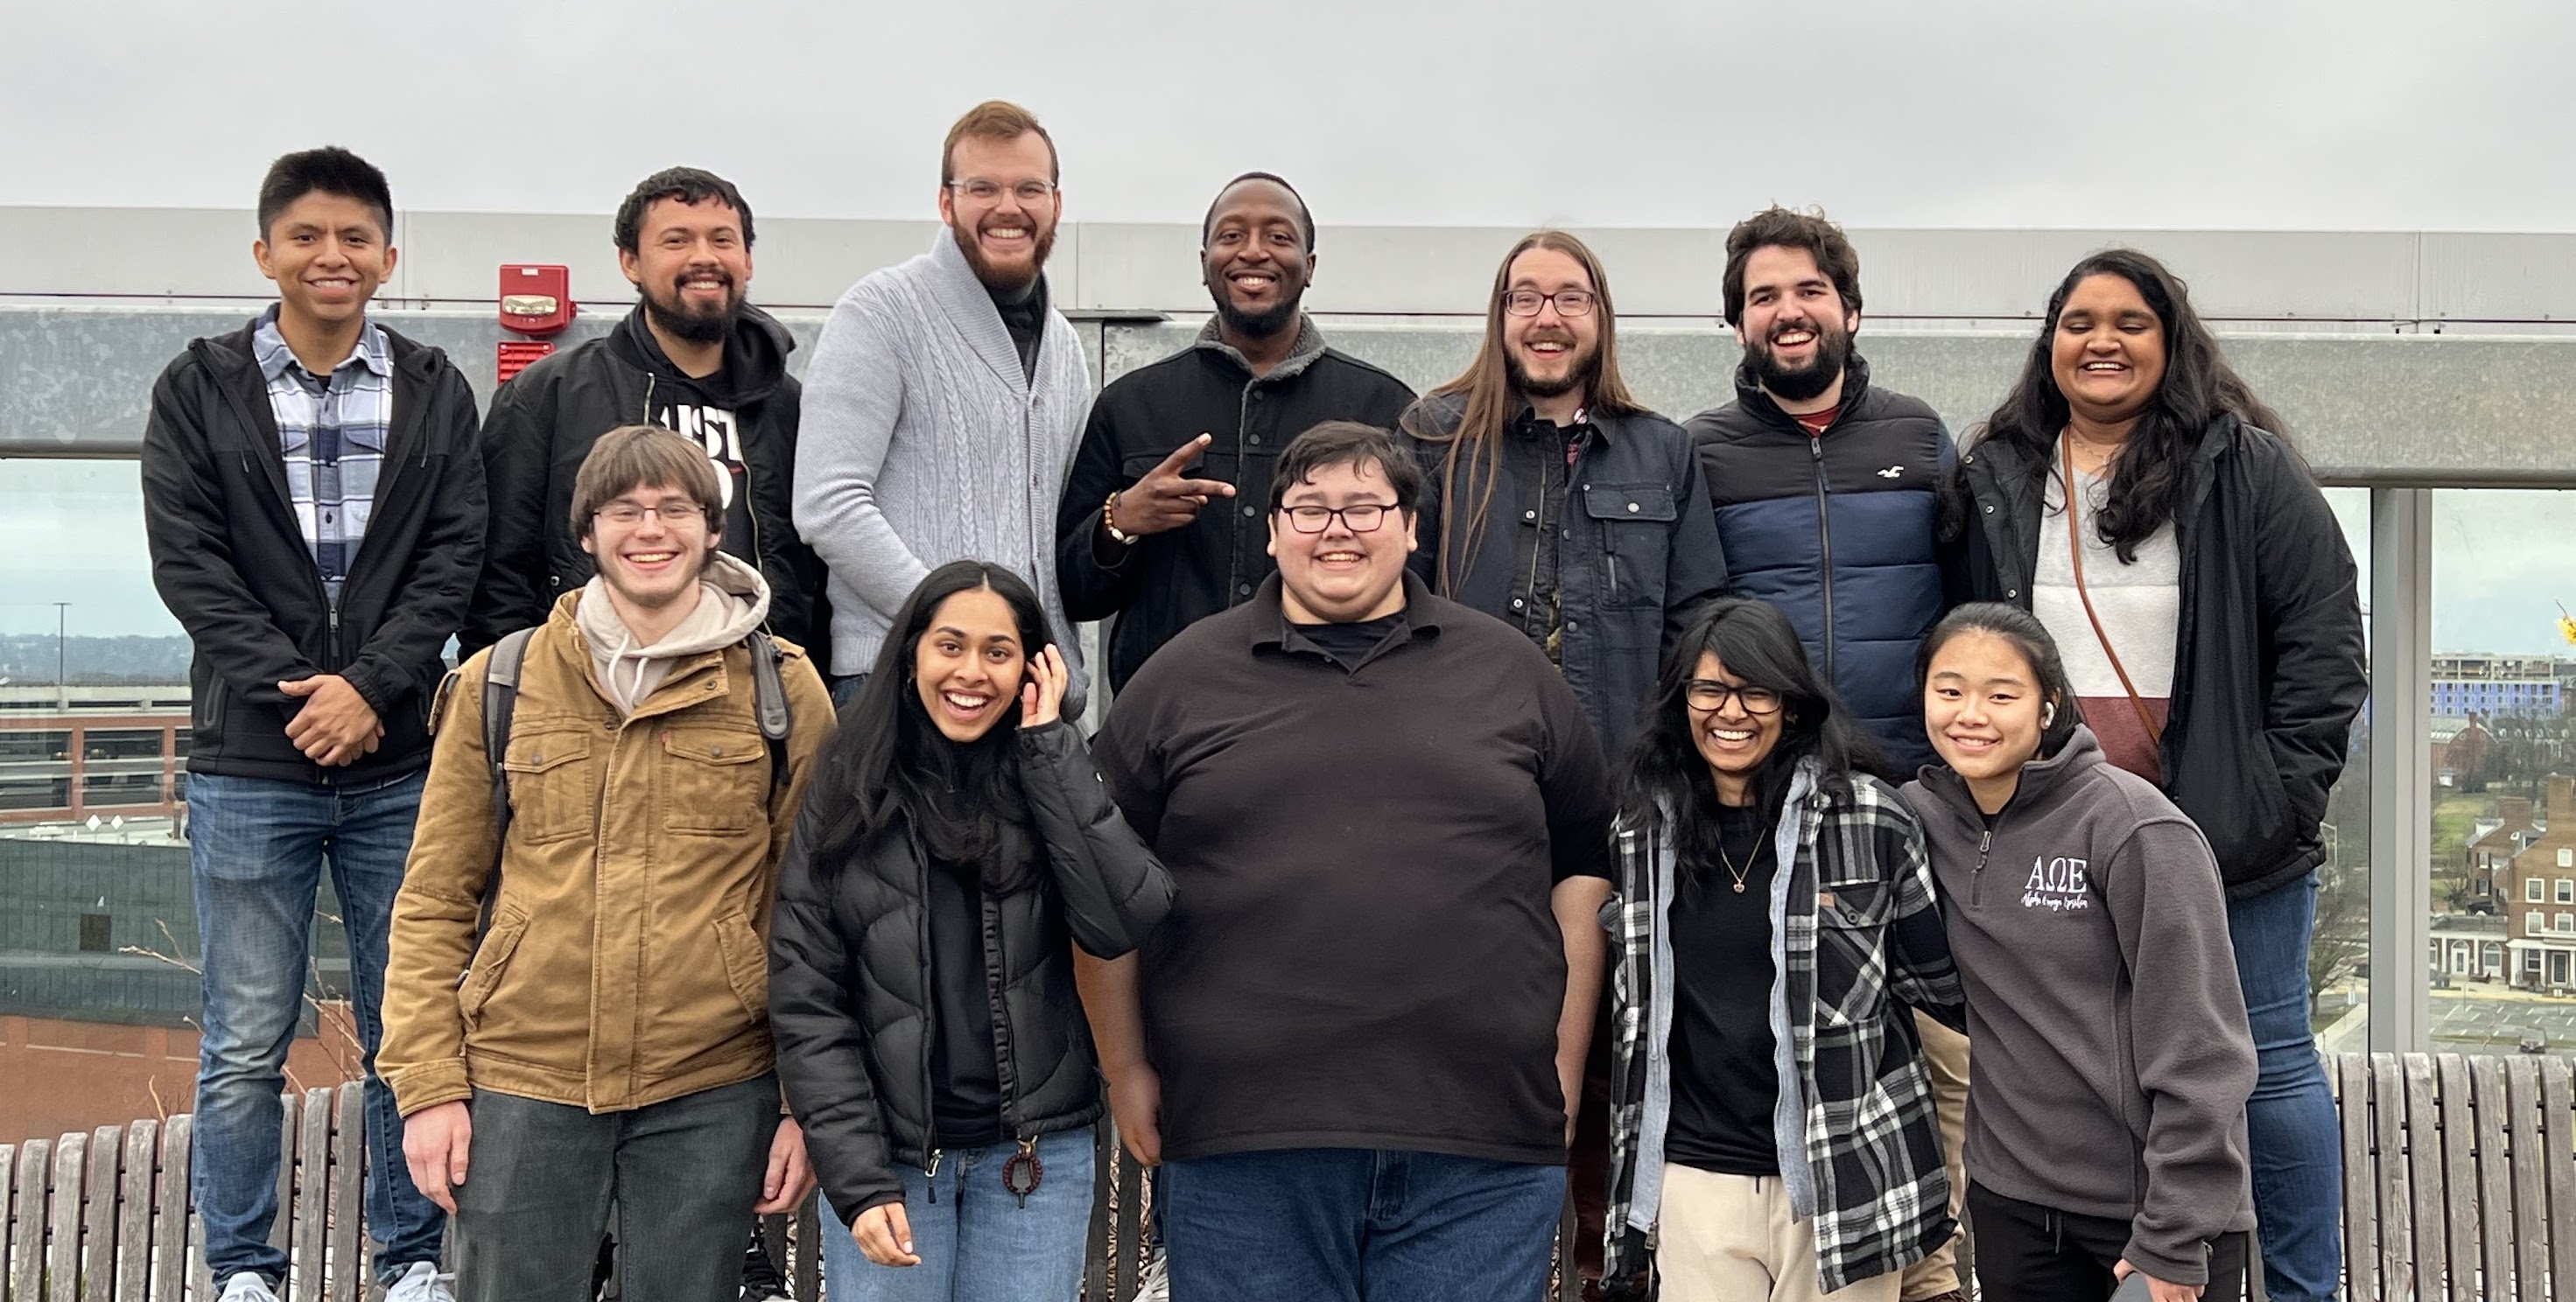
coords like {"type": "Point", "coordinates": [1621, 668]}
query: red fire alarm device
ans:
{"type": "Point", "coordinates": [536, 299]}
{"type": "Point", "coordinates": [517, 355]}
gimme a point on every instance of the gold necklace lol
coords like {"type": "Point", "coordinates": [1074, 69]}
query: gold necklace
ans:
{"type": "Point", "coordinates": [1739, 874]}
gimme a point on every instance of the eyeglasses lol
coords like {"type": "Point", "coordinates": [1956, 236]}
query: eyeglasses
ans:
{"type": "Point", "coordinates": [986, 190]}
{"type": "Point", "coordinates": [674, 514]}
{"type": "Point", "coordinates": [1359, 517]}
{"type": "Point", "coordinates": [1569, 302]}
{"type": "Point", "coordinates": [1712, 696]}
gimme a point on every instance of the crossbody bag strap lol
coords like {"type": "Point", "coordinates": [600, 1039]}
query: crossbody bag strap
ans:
{"type": "Point", "coordinates": [2075, 552]}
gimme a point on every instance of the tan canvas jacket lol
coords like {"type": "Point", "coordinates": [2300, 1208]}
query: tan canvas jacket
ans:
{"type": "Point", "coordinates": [627, 962]}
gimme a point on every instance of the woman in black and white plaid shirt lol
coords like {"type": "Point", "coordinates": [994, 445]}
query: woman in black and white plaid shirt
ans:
{"type": "Point", "coordinates": [1773, 1133]}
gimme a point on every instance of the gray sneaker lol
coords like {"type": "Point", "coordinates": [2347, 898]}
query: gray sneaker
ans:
{"type": "Point", "coordinates": [422, 1282]}
{"type": "Point", "coordinates": [248, 1286]}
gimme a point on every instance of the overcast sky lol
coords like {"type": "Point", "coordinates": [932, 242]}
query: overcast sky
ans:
{"type": "Point", "coordinates": [2355, 114]}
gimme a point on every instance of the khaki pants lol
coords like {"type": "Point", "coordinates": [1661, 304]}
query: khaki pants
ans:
{"type": "Point", "coordinates": [1945, 1052]}
{"type": "Point", "coordinates": [1730, 1238]}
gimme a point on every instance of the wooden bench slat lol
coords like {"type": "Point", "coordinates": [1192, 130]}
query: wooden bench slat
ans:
{"type": "Point", "coordinates": [171, 1240]}
{"type": "Point", "coordinates": [99, 1185]}
{"type": "Point", "coordinates": [35, 1203]}
{"type": "Point", "coordinates": [290, 1129]}
{"type": "Point", "coordinates": [134, 1211]}
{"type": "Point", "coordinates": [2530, 1190]}
{"type": "Point", "coordinates": [2459, 1174]}
{"type": "Point", "coordinates": [2426, 1174]}
{"type": "Point", "coordinates": [805, 1248]}
{"type": "Point", "coordinates": [63, 1219]}
{"type": "Point", "coordinates": [2558, 1138]}
{"type": "Point", "coordinates": [8, 1213]}
{"type": "Point", "coordinates": [2495, 1178]}
{"type": "Point", "coordinates": [311, 1163]}
{"type": "Point", "coordinates": [1104, 1173]}
{"type": "Point", "coordinates": [1127, 1234]}
{"type": "Point", "coordinates": [348, 1201]}
{"type": "Point", "coordinates": [2396, 1190]}
{"type": "Point", "coordinates": [2351, 1074]}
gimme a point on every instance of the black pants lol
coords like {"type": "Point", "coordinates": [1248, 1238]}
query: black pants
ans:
{"type": "Point", "coordinates": [678, 1178]}
{"type": "Point", "coordinates": [2029, 1253]}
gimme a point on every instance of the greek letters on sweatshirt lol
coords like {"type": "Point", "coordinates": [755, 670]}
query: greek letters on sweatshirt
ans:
{"type": "Point", "coordinates": [2113, 1059]}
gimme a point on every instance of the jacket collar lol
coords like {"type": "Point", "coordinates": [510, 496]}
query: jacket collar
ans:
{"type": "Point", "coordinates": [2042, 780]}
{"type": "Point", "coordinates": [1749, 391]}
{"type": "Point", "coordinates": [1302, 354]}
{"type": "Point", "coordinates": [755, 352]}
{"type": "Point", "coordinates": [969, 307]}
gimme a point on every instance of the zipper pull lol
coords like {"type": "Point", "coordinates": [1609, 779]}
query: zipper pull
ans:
{"type": "Point", "coordinates": [1977, 879]}
{"type": "Point", "coordinates": [930, 1176]}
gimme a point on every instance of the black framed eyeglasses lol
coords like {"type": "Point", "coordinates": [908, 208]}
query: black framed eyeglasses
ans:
{"type": "Point", "coordinates": [1710, 695]}
{"type": "Point", "coordinates": [1358, 517]}
{"type": "Point", "coordinates": [1569, 302]}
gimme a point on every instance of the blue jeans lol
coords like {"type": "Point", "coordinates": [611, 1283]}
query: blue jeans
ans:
{"type": "Point", "coordinates": [256, 848]}
{"type": "Point", "coordinates": [1346, 1224]}
{"type": "Point", "coordinates": [2291, 1129]}
{"type": "Point", "coordinates": [976, 1242]}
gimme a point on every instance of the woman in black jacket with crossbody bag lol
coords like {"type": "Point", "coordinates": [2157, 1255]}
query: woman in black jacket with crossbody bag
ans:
{"type": "Point", "coordinates": [2135, 495]}
{"type": "Point", "coordinates": [955, 846]}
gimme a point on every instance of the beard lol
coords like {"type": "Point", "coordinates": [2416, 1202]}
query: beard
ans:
{"type": "Point", "coordinates": [700, 326]}
{"type": "Point", "coordinates": [1258, 325]}
{"type": "Point", "coordinates": [1006, 280]}
{"type": "Point", "coordinates": [1577, 378]}
{"type": "Point", "coordinates": [1833, 352]}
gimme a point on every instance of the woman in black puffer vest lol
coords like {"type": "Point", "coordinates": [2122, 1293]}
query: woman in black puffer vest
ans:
{"type": "Point", "coordinates": [956, 845]}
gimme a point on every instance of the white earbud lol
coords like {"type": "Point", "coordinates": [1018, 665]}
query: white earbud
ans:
{"type": "Point", "coordinates": [2047, 713]}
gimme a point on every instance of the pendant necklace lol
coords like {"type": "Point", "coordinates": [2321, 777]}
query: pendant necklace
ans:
{"type": "Point", "coordinates": [1738, 874]}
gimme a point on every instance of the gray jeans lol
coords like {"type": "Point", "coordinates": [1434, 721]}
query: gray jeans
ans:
{"type": "Point", "coordinates": [543, 1181]}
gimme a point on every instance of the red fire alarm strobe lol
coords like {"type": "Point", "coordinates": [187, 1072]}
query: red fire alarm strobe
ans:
{"type": "Point", "coordinates": [536, 299]}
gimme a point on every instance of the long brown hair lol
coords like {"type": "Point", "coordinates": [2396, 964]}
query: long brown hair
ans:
{"type": "Point", "coordinates": [1474, 456]}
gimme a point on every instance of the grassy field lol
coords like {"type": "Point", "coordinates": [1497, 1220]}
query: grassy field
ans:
{"type": "Point", "coordinates": [2455, 815]}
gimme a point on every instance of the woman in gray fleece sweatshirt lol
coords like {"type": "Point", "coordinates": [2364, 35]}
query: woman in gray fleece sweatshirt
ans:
{"type": "Point", "coordinates": [2106, 1116]}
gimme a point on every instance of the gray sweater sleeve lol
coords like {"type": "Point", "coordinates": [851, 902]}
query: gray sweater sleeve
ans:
{"type": "Point", "coordinates": [2188, 1038]}
{"type": "Point", "coordinates": [853, 399]}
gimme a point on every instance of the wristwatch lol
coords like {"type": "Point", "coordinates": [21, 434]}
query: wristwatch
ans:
{"type": "Point", "coordinates": [1109, 522]}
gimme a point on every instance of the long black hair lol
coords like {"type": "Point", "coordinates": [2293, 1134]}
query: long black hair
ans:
{"type": "Point", "coordinates": [2198, 386]}
{"type": "Point", "coordinates": [889, 769]}
{"type": "Point", "coordinates": [2022, 631]}
{"type": "Point", "coordinates": [1663, 767]}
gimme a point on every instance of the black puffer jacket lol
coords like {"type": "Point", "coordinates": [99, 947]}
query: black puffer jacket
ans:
{"type": "Point", "coordinates": [2268, 670]}
{"type": "Point", "coordinates": [850, 1000]}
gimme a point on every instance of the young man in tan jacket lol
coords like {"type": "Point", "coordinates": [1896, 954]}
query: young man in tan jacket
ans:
{"type": "Point", "coordinates": [604, 1049]}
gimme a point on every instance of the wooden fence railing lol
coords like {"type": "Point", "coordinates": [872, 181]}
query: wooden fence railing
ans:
{"type": "Point", "coordinates": [2459, 1186]}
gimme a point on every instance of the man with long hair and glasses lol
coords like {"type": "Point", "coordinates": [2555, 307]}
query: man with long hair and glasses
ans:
{"type": "Point", "coordinates": [1353, 1046]}
{"type": "Point", "coordinates": [945, 398]}
{"type": "Point", "coordinates": [1557, 503]}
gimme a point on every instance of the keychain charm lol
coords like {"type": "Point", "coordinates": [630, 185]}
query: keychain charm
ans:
{"type": "Point", "coordinates": [1022, 1173]}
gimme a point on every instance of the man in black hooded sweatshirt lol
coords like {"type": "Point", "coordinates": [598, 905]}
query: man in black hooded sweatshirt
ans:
{"type": "Point", "coordinates": [692, 357]}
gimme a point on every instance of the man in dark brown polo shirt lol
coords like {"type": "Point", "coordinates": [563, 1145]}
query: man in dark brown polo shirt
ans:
{"type": "Point", "coordinates": [1354, 1042]}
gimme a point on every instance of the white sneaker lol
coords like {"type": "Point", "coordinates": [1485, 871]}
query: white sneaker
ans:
{"type": "Point", "coordinates": [247, 1286]}
{"type": "Point", "coordinates": [420, 1283]}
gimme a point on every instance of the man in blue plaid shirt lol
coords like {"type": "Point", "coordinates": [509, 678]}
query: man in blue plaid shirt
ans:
{"type": "Point", "coordinates": [314, 506]}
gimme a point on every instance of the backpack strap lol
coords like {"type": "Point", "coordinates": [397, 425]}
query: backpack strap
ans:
{"type": "Point", "coordinates": [769, 702]}
{"type": "Point", "coordinates": [500, 702]}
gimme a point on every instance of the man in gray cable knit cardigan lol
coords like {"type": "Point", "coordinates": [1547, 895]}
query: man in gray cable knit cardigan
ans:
{"type": "Point", "coordinates": [945, 399]}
